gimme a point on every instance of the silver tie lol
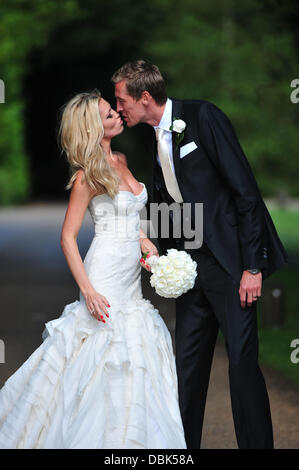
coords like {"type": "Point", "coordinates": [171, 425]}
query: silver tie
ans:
{"type": "Point", "coordinates": [169, 176]}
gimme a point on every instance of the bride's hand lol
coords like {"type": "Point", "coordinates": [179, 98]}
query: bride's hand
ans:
{"type": "Point", "coordinates": [147, 247]}
{"type": "Point", "coordinates": [96, 304]}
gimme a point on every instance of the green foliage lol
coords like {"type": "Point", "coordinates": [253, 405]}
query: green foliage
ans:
{"type": "Point", "coordinates": [240, 55]}
{"type": "Point", "coordinates": [274, 343]}
{"type": "Point", "coordinates": [275, 351]}
{"type": "Point", "coordinates": [24, 24]}
{"type": "Point", "coordinates": [287, 223]}
{"type": "Point", "coordinates": [231, 53]}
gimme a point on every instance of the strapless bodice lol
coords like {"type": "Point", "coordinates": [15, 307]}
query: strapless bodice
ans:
{"type": "Point", "coordinates": [118, 217]}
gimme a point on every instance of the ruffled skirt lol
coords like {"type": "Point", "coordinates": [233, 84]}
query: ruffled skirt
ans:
{"type": "Point", "coordinates": [92, 385]}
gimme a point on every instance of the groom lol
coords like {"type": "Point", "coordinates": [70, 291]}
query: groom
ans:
{"type": "Point", "coordinates": [205, 163]}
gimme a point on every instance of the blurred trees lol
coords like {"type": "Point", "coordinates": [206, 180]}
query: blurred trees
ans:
{"type": "Point", "coordinates": [241, 56]}
{"type": "Point", "coordinates": [80, 54]}
{"type": "Point", "coordinates": [24, 25]}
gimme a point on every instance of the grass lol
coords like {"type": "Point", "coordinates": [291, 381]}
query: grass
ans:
{"type": "Point", "coordinates": [275, 349]}
{"type": "Point", "coordinates": [287, 225]}
{"type": "Point", "coordinates": [275, 342]}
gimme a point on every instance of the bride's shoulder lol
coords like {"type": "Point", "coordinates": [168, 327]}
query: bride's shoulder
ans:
{"type": "Point", "coordinates": [81, 186]}
{"type": "Point", "coordinates": [80, 179]}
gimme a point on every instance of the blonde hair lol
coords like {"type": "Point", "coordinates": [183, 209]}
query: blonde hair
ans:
{"type": "Point", "coordinates": [81, 132]}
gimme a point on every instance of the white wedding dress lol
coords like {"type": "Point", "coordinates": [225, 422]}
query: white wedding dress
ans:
{"type": "Point", "coordinates": [94, 385]}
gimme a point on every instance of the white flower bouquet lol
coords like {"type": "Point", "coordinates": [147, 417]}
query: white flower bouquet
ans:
{"type": "Point", "coordinates": [172, 274]}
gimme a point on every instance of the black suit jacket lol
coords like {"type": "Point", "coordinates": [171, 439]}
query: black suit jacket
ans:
{"type": "Point", "coordinates": [237, 226]}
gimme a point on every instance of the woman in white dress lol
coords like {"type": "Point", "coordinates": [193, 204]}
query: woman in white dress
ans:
{"type": "Point", "coordinates": [104, 376]}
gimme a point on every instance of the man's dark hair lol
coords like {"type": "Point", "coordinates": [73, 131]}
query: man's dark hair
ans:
{"type": "Point", "coordinates": [140, 76]}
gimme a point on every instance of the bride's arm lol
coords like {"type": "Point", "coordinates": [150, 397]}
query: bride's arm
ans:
{"type": "Point", "coordinates": [142, 235]}
{"type": "Point", "coordinates": [146, 246]}
{"type": "Point", "coordinates": [80, 197]}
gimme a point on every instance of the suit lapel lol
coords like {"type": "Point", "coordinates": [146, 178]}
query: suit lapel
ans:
{"type": "Point", "coordinates": [177, 112]}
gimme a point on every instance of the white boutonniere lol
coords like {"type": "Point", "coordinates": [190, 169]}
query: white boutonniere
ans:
{"type": "Point", "coordinates": [178, 126]}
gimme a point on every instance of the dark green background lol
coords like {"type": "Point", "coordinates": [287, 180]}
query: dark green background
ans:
{"type": "Point", "coordinates": [240, 55]}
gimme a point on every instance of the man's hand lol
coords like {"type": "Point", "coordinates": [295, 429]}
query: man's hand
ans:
{"type": "Point", "coordinates": [250, 287]}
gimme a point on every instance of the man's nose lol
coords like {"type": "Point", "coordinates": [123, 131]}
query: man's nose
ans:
{"type": "Point", "coordinates": [118, 107]}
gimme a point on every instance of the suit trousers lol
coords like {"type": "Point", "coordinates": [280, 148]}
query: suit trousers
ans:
{"type": "Point", "coordinates": [212, 304]}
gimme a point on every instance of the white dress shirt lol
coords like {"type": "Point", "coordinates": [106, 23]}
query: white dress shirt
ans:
{"type": "Point", "coordinates": [165, 123]}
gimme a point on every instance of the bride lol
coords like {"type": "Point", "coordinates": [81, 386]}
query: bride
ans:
{"type": "Point", "coordinates": [104, 376]}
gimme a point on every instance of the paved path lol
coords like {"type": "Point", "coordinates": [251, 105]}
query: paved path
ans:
{"type": "Point", "coordinates": [35, 284]}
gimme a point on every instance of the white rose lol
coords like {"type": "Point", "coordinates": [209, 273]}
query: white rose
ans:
{"type": "Point", "coordinates": [152, 260]}
{"type": "Point", "coordinates": [178, 126]}
{"type": "Point", "coordinates": [173, 274]}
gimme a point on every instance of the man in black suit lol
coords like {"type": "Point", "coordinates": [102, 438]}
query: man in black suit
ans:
{"type": "Point", "coordinates": [196, 158]}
